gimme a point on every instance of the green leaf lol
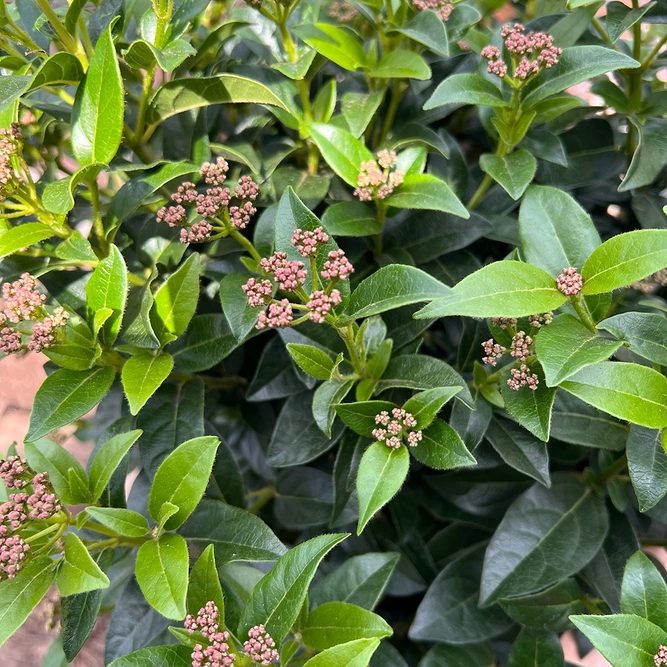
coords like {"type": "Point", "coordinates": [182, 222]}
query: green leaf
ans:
{"type": "Point", "coordinates": [623, 639]}
{"type": "Point", "coordinates": [182, 477]}
{"type": "Point", "coordinates": [545, 536]}
{"type": "Point", "coordinates": [97, 115]}
{"type": "Point", "coordinates": [350, 218]}
{"type": "Point", "coordinates": [625, 259]}
{"type": "Point", "coordinates": [513, 172]}
{"type": "Point", "coordinates": [627, 391]}
{"type": "Point", "coordinates": [205, 584]}
{"type": "Point", "coordinates": [536, 648]}
{"type": "Point", "coordinates": [335, 623]}
{"type": "Point", "coordinates": [124, 522]}
{"type": "Point", "coordinates": [76, 247]}
{"type": "Point", "coordinates": [520, 450]}
{"type": "Point", "coordinates": [207, 341]}
{"type": "Point", "coordinates": [61, 68]}
{"type": "Point", "coordinates": [180, 95]}
{"type": "Point", "coordinates": [466, 89]}
{"type": "Point", "coordinates": [646, 333]}
{"type": "Point", "coordinates": [442, 448]}
{"type": "Point", "coordinates": [575, 64]}
{"type": "Point", "coordinates": [17, 238]}
{"type": "Point", "coordinates": [297, 70]}
{"type": "Point", "coordinates": [425, 406]}
{"type": "Point", "coordinates": [651, 155]}
{"type": "Point", "coordinates": [480, 655]}
{"type": "Point", "coordinates": [391, 287]}
{"type": "Point", "coordinates": [176, 300]}
{"type": "Point", "coordinates": [312, 360]}
{"type": "Point", "coordinates": [334, 43]}
{"type": "Point", "coordinates": [142, 375]}
{"type": "Point", "coordinates": [47, 456]}
{"type": "Point", "coordinates": [419, 371]}
{"type": "Point", "coordinates": [66, 396]}
{"type": "Point", "coordinates": [78, 572]}
{"type": "Point", "coordinates": [358, 110]}
{"type": "Point", "coordinates": [162, 574]}
{"type": "Point", "coordinates": [501, 289]}
{"type": "Point", "coordinates": [555, 231]}
{"type": "Point", "coordinates": [647, 463]}
{"type": "Point", "coordinates": [450, 611]}
{"type": "Point", "coordinates": [566, 346]}
{"type": "Point", "coordinates": [382, 471]}
{"type": "Point", "coordinates": [164, 656]}
{"type": "Point", "coordinates": [360, 580]}
{"type": "Point", "coordinates": [19, 596]}
{"type": "Point", "coordinates": [240, 316]}
{"type": "Point", "coordinates": [278, 597]}
{"type": "Point", "coordinates": [620, 18]}
{"type": "Point", "coordinates": [236, 534]}
{"type": "Point", "coordinates": [341, 150]}
{"type": "Point", "coordinates": [360, 417]}
{"type": "Point", "coordinates": [143, 55]}
{"type": "Point", "coordinates": [427, 28]}
{"type": "Point", "coordinates": [326, 397]}
{"type": "Point", "coordinates": [644, 592]}
{"type": "Point", "coordinates": [58, 196]}
{"type": "Point", "coordinates": [107, 458]}
{"type": "Point", "coordinates": [352, 654]}
{"type": "Point", "coordinates": [401, 64]}
{"type": "Point", "coordinates": [107, 288]}
{"type": "Point", "coordinates": [423, 191]}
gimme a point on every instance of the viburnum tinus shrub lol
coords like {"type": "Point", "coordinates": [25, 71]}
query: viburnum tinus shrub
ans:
{"type": "Point", "coordinates": [370, 299]}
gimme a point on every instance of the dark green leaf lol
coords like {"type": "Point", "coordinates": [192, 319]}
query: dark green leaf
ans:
{"type": "Point", "coordinates": [514, 172]}
{"type": "Point", "coordinates": [442, 448]}
{"type": "Point", "coordinates": [647, 463]}
{"type": "Point", "coordinates": [165, 656]}
{"type": "Point", "coordinates": [351, 218]}
{"type": "Point", "coordinates": [426, 28]}
{"type": "Point", "coordinates": [466, 89]}
{"type": "Point", "coordinates": [536, 648]}
{"type": "Point", "coordinates": [360, 417]}
{"type": "Point", "coordinates": [646, 333]}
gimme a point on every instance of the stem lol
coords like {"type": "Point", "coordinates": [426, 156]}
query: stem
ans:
{"type": "Point", "coordinates": [263, 496]}
{"type": "Point", "coordinates": [146, 91]}
{"type": "Point", "coordinates": [65, 38]}
{"type": "Point", "coordinates": [98, 225]}
{"type": "Point", "coordinates": [653, 53]}
{"type": "Point", "coordinates": [601, 31]}
{"type": "Point", "coordinates": [347, 334]}
{"type": "Point", "coordinates": [397, 92]}
{"type": "Point", "coordinates": [617, 466]}
{"type": "Point", "coordinates": [585, 317]}
{"type": "Point", "coordinates": [480, 192]}
{"type": "Point", "coordinates": [377, 239]}
{"type": "Point", "coordinates": [47, 531]}
{"type": "Point", "coordinates": [243, 241]}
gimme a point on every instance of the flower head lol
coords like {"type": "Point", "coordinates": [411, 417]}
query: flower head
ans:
{"type": "Point", "coordinates": [569, 282]}
{"type": "Point", "coordinates": [23, 301]}
{"type": "Point", "coordinates": [320, 304]}
{"type": "Point", "coordinates": [214, 173]}
{"type": "Point", "coordinates": [443, 8]}
{"type": "Point", "coordinates": [399, 425]}
{"type": "Point", "coordinates": [290, 274]}
{"type": "Point", "coordinates": [337, 266]}
{"type": "Point", "coordinates": [207, 622]}
{"type": "Point", "coordinates": [14, 472]}
{"type": "Point", "coordinates": [44, 332]}
{"type": "Point", "coordinates": [660, 658]}
{"type": "Point", "coordinates": [277, 316]}
{"type": "Point", "coordinates": [10, 340]}
{"type": "Point", "coordinates": [522, 377]}
{"type": "Point", "coordinates": [522, 346]}
{"type": "Point", "coordinates": [174, 216]}
{"type": "Point", "coordinates": [343, 11]}
{"type": "Point", "coordinates": [378, 179]}
{"type": "Point", "coordinates": [540, 320]}
{"type": "Point", "coordinates": [198, 232]}
{"type": "Point", "coordinates": [13, 551]}
{"type": "Point", "coordinates": [260, 646]}
{"type": "Point", "coordinates": [308, 243]}
{"type": "Point", "coordinates": [492, 352]}
{"type": "Point", "coordinates": [257, 291]}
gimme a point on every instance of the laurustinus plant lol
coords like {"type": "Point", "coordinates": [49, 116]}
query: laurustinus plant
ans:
{"type": "Point", "coordinates": [361, 310]}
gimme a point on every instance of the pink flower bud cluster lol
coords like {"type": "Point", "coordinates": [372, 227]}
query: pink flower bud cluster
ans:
{"type": "Point", "coordinates": [320, 304]}
{"type": "Point", "coordinates": [309, 243]}
{"type": "Point", "coordinates": [13, 514]}
{"type": "Point", "coordinates": [257, 291]}
{"type": "Point", "coordinates": [207, 622]}
{"type": "Point", "coordinates": [338, 266]}
{"type": "Point", "coordinates": [211, 203]}
{"type": "Point", "coordinates": [377, 180]}
{"type": "Point", "coordinates": [10, 340]}
{"type": "Point", "coordinates": [522, 377]}
{"type": "Point", "coordinates": [400, 424]}
{"type": "Point", "coordinates": [569, 282]}
{"type": "Point", "coordinates": [504, 322]}
{"type": "Point", "coordinates": [540, 320]}
{"type": "Point", "coordinates": [277, 316]}
{"type": "Point", "coordinates": [536, 49]}
{"type": "Point", "coordinates": [23, 300]}
{"type": "Point", "coordinates": [342, 11]}
{"type": "Point", "coordinates": [10, 145]}
{"type": "Point", "coordinates": [522, 346]}
{"type": "Point", "coordinates": [13, 551]}
{"type": "Point", "coordinates": [260, 646]}
{"type": "Point", "coordinates": [660, 658]}
{"type": "Point", "coordinates": [43, 503]}
{"type": "Point", "coordinates": [44, 332]}
{"type": "Point", "coordinates": [443, 8]}
{"type": "Point", "coordinates": [492, 352]}
{"type": "Point", "coordinates": [15, 472]}
{"type": "Point", "coordinates": [290, 274]}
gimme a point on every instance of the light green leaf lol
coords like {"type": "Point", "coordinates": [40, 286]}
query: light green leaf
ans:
{"type": "Point", "coordinates": [358, 110]}
{"type": "Point", "coordinates": [176, 301]}
{"type": "Point", "coordinates": [627, 391]}
{"type": "Point", "coordinates": [566, 346]}
{"type": "Point", "coordinates": [466, 89]}
{"type": "Point", "coordinates": [401, 64]}
{"type": "Point", "coordinates": [143, 55]}
{"type": "Point", "coordinates": [334, 43]}
{"type": "Point", "coordinates": [352, 654]}
{"type": "Point", "coordinates": [651, 155]}
{"type": "Point", "coordinates": [442, 448]}
{"type": "Point", "coordinates": [205, 583]}
{"type": "Point", "coordinates": [513, 172]}
{"type": "Point", "coordinates": [164, 656]}
{"type": "Point", "coordinates": [423, 191]}
{"type": "Point", "coordinates": [78, 572]}
{"type": "Point", "coordinates": [22, 236]}
{"type": "Point", "coordinates": [162, 574]}
{"type": "Point", "coordinates": [425, 405]}
{"type": "Point", "coordinates": [335, 623]}
{"type": "Point", "coordinates": [107, 458]}
{"type": "Point", "coordinates": [312, 360]}
{"type": "Point", "coordinates": [182, 477]}
{"type": "Point", "coordinates": [124, 522]}
{"type": "Point", "coordinates": [382, 471]}
{"type": "Point", "coordinates": [278, 597]}
{"type": "Point", "coordinates": [501, 289]}
{"type": "Point", "coordinates": [142, 375]}
{"type": "Point", "coordinates": [97, 115]}
{"type": "Point", "coordinates": [644, 592]}
{"type": "Point", "coordinates": [66, 396]}
{"type": "Point", "coordinates": [394, 286]}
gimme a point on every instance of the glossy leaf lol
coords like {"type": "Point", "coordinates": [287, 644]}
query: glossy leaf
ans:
{"type": "Point", "coordinates": [107, 458]}
{"type": "Point", "coordinates": [442, 448]}
{"type": "Point", "coordinates": [513, 172]}
{"type": "Point", "coordinates": [142, 375]}
{"type": "Point", "coordinates": [204, 583]}
{"type": "Point", "coordinates": [466, 89]}
{"type": "Point", "coordinates": [78, 572]}
{"type": "Point", "coordinates": [646, 333]}
{"type": "Point", "coordinates": [124, 522]}
{"type": "Point", "coordinates": [423, 191]}
{"type": "Point", "coordinates": [353, 654]}
{"type": "Point", "coordinates": [647, 463]}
